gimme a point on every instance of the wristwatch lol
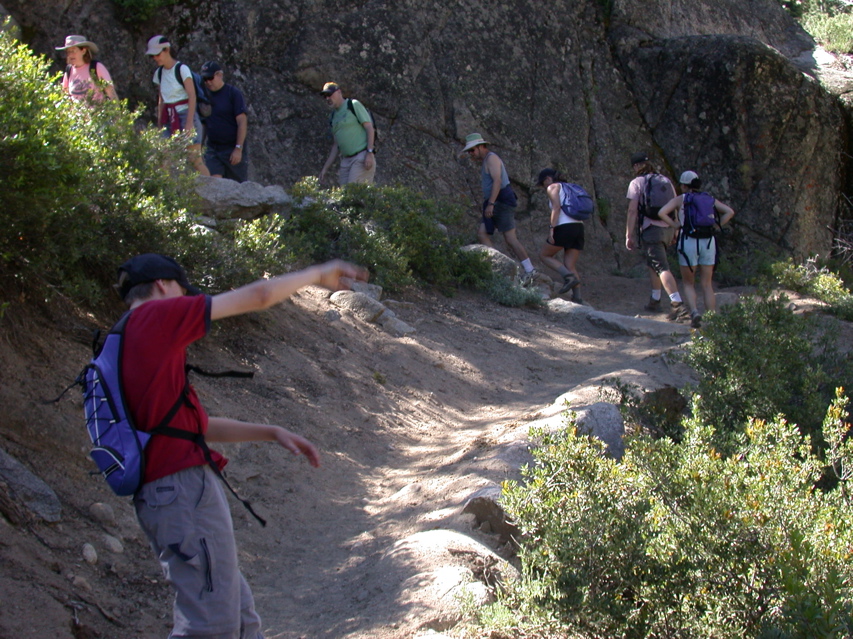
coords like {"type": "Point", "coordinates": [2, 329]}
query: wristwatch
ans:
{"type": "Point", "coordinates": [238, 146]}
{"type": "Point", "coordinates": [371, 151]}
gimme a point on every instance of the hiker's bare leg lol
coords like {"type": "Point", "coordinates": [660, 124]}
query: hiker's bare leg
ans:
{"type": "Point", "coordinates": [483, 236]}
{"type": "Point", "coordinates": [196, 159]}
{"type": "Point", "coordinates": [689, 286]}
{"type": "Point", "coordinates": [706, 281]}
{"type": "Point", "coordinates": [514, 245]}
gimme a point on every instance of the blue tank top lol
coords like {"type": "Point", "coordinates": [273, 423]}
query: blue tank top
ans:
{"type": "Point", "coordinates": [486, 178]}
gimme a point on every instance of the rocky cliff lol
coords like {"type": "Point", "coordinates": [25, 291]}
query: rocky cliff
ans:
{"type": "Point", "coordinates": [580, 85]}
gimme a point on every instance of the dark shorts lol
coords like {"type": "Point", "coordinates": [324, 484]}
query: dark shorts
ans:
{"type": "Point", "coordinates": [655, 240]}
{"type": "Point", "coordinates": [502, 220]}
{"type": "Point", "coordinates": [569, 236]}
{"type": "Point", "coordinates": [218, 162]}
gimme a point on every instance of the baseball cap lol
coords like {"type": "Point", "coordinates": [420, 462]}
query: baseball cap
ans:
{"type": "Point", "coordinates": [639, 156]}
{"type": "Point", "coordinates": [688, 178]}
{"type": "Point", "coordinates": [157, 44]}
{"type": "Point", "coordinates": [545, 173]}
{"type": "Point", "coordinates": [149, 267]}
{"type": "Point", "coordinates": [209, 69]}
{"type": "Point", "coordinates": [329, 88]}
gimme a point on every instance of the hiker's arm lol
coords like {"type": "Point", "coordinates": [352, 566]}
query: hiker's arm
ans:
{"type": "Point", "coordinates": [332, 155]}
{"type": "Point", "coordinates": [554, 199]}
{"type": "Point", "coordinates": [224, 430]}
{"type": "Point", "coordinates": [189, 87]}
{"type": "Point", "coordinates": [726, 212]}
{"type": "Point", "coordinates": [371, 137]}
{"type": "Point", "coordinates": [631, 225]}
{"type": "Point", "coordinates": [160, 107]}
{"type": "Point", "coordinates": [242, 126]}
{"type": "Point", "coordinates": [262, 294]}
{"type": "Point", "coordinates": [665, 214]}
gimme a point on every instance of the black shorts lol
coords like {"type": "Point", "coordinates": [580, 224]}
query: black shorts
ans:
{"type": "Point", "coordinates": [569, 236]}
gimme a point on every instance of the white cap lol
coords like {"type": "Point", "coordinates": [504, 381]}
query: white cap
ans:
{"type": "Point", "coordinates": [157, 44]}
{"type": "Point", "coordinates": [687, 177]}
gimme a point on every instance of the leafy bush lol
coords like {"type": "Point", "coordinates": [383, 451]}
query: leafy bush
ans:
{"type": "Point", "coordinates": [758, 359]}
{"type": "Point", "coordinates": [83, 189]}
{"type": "Point", "coordinates": [834, 31]}
{"type": "Point", "coordinates": [677, 540]}
{"type": "Point", "coordinates": [397, 233]}
{"type": "Point", "coordinates": [818, 281]}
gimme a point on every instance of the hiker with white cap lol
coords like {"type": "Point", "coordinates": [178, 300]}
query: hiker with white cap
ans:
{"type": "Point", "coordinates": [85, 78]}
{"type": "Point", "coordinates": [499, 200]}
{"type": "Point", "coordinates": [700, 217]}
{"type": "Point", "coordinates": [176, 98]}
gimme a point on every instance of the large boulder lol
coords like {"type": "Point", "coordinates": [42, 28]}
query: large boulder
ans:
{"type": "Point", "coordinates": [764, 137]}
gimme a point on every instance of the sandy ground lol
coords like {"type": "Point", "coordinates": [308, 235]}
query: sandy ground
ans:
{"type": "Point", "coordinates": [402, 424]}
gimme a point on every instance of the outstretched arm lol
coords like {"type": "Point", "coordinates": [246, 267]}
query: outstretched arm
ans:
{"type": "Point", "coordinates": [262, 294]}
{"type": "Point", "coordinates": [222, 429]}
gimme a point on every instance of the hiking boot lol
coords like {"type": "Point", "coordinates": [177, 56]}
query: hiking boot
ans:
{"type": "Point", "coordinates": [576, 298]}
{"type": "Point", "coordinates": [653, 305]}
{"type": "Point", "coordinates": [678, 312]}
{"type": "Point", "coordinates": [528, 278]}
{"type": "Point", "coordinates": [695, 320]}
{"type": "Point", "coordinates": [569, 282]}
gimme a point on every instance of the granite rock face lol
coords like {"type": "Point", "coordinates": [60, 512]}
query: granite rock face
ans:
{"type": "Point", "coordinates": [700, 84]}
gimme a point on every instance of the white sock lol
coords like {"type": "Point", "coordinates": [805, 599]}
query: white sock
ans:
{"type": "Point", "coordinates": [675, 298]}
{"type": "Point", "coordinates": [656, 294]}
{"type": "Point", "coordinates": [528, 265]}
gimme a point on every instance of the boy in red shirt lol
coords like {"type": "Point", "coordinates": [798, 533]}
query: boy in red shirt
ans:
{"type": "Point", "coordinates": [182, 506]}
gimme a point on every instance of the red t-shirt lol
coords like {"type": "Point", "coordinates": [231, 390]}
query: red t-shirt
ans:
{"type": "Point", "coordinates": [155, 352]}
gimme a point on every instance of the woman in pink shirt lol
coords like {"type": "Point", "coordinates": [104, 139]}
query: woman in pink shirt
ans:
{"type": "Point", "coordinates": [85, 77]}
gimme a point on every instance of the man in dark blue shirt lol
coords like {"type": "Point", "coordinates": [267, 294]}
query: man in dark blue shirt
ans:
{"type": "Point", "coordinates": [225, 152]}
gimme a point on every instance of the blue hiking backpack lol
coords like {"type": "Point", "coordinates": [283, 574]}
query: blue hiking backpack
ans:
{"type": "Point", "coordinates": [576, 202]}
{"type": "Point", "coordinates": [118, 447]}
{"type": "Point", "coordinates": [700, 222]}
{"type": "Point", "coordinates": [700, 215]}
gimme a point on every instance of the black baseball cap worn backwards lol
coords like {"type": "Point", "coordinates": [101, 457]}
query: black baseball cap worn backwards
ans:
{"type": "Point", "coordinates": [150, 267]}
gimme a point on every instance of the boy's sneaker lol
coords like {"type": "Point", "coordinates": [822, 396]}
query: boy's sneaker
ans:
{"type": "Point", "coordinates": [569, 282]}
{"type": "Point", "coordinates": [695, 320]}
{"type": "Point", "coordinates": [653, 305]}
{"type": "Point", "coordinates": [678, 312]}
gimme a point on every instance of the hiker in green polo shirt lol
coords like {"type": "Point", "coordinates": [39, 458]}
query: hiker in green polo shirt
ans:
{"type": "Point", "coordinates": [352, 128]}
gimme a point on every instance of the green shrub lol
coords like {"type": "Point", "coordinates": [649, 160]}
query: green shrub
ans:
{"type": "Point", "coordinates": [677, 540]}
{"type": "Point", "coordinates": [833, 31]}
{"type": "Point", "coordinates": [83, 188]}
{"type": "Point", "coordinates": [400, 235]}
{"type": "Point", "coordinates": [758, 359]}
{"type": "Point", "coordinates": [818, 281]}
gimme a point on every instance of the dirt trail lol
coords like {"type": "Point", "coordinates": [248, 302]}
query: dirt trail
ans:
{"type": "Point", "coordinates": [401, 422]}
